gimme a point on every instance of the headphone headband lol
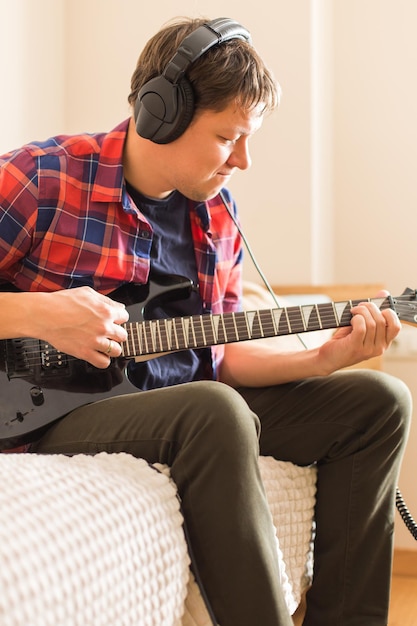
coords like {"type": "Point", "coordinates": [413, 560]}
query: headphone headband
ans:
{"type": "Point", "coordinates": [199, 41]}
{"type": "Point", "coordinates": [165, 104]}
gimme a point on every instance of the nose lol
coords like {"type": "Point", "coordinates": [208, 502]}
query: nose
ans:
{"type": "Point", "coordinates": [240, 156]}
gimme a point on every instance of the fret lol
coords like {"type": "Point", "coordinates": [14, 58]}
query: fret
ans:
{"type": "Point", "coordinates": [287, 320]}
{"type": "Point", "coordinates": [147, 337]}
{"type": "Point", "coordinates": [140, 337]}
{"type": "Point", "coordinates": [327, 315]}
{"type": "Point", "coordinates": [174, 338]}
{"type": "Point", "coordinates": [207, 330]}
{"type": "Point", "coordinates": [274, 328]}
{"type": "Point", "coordinates": [267, 323]}
{"type": "Point", "coordinates": [211, 328]}
{"type": "Point", "coordinates": [128, 347]}
{"type": "Point", "coordinates": [230, 328]}
{"type": "Point", "coordinates": [153, 335]}
{"type": "Point", "coordinates": [235, 328]}
{"type": "Point", "coordinates": [312, 316]}
{"type": "Point", "coordinates": [277, 315]}
{"type": "Point", "coordinates": [163, 333]}
{"type": "Point", "coordinates": [253, 324]}
{"type": "Point", "coordinates": [196, 336]}
{"type": "Point", "coordinates": [295, 319]}
{"type": "Point", "coordinates": [169, 334]}
{"type": "Point", "coordinates": [136, 343]}
{"type": "Point", "coordinates": [318, 316]}
{"type": "Point", "coordinates": [203, 331]}
{"type": "Point", "coordinates": [158, 335]}
{"type": "Point", "coordinates": [173, 335]}
{"type": "Point", "coordinates": [344, 314]}
{"type": "Point", "coordinates": [242, 326]}
{"type": "Point", "coordinates": [220, 325]}
{"type": "Point", "coordinates": [179, 332]}
{"type": "Point", "coordinates": [189, 332]}
{"type": "Point", "coordinates": [283, 326]}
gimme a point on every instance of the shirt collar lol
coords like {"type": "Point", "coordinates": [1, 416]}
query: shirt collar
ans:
{"type": "Point", "coordinates": [203, 215]}
{"type": "Point", "coordinates": [109, 180]}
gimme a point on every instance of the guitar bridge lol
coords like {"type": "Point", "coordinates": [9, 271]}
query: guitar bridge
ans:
{"type": "Point", "coordinates": [17, 362]}
{"type": "Point", "coordinates": [33, 359]}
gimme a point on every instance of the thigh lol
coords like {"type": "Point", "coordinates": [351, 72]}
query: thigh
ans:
{"type": "Point", "coordinates": [155, 424]}
{"type": "Point", "coordinates": [318, 418]}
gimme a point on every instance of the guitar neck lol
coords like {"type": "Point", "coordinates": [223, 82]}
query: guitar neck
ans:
{"type": "Point", "coordinates": [153, 337]}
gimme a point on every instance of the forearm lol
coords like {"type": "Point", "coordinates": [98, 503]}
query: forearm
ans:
{"type": "Point", "coordinates": [79, 321]}
{"type": "Point", "coordinates": [24, 315]}
{"type": "Point", "coordinates": [252, 364]}
{"type": "Point", "coordinates": [259, 363]}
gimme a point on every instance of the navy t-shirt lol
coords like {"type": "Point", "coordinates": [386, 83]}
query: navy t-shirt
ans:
{"type": "Point", "coordinates": [172, 252]}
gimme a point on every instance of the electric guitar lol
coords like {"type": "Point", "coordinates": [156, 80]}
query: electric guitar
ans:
{"type": "Point", "coordinates": [39, 384]}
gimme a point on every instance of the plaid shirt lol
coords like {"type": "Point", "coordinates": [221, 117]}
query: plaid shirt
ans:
{"type": "Point", "coordinates": [66, 220]}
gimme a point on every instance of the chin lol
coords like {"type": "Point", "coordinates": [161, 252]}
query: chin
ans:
{"type": "Point", "coordinates": [212, 193]}
{"type": "Point", "coordinates": [201, 196]}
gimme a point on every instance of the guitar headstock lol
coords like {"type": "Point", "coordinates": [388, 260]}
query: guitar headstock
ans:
{"type": "Point", "coordinates": [406, 306]}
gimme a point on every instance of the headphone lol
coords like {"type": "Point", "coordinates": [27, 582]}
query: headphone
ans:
{"type": "Point", "coordinates": [165, 104]}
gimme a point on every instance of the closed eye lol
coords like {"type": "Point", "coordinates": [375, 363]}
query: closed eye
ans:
{"type": "Point", "coordinates": [228, 141]}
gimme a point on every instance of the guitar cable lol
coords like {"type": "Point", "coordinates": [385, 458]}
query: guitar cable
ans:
{"type": "Point", "coordinates": [402, 508]}
{"type": "Point", "coordinates": [255, 262]}
{"type": "Point", "coordinates": [405, 514]}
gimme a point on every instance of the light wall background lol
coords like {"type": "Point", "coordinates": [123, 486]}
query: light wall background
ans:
{"type": "Point", "coordinates": [331, 195]}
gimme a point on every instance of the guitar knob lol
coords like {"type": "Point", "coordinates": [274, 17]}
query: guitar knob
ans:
{"type": "Point", "coordinates": [37, 396]}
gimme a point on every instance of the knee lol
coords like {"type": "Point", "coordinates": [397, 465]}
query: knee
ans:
{"type": "Point", "coordinates": [224, 416]}
{"type": "Point", "coordinates": [388, 396]}
{"type": "Point", "coordinates": [398, 398]}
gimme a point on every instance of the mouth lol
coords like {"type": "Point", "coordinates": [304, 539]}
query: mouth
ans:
{"type": "Point", "coordinates": [224, 174]}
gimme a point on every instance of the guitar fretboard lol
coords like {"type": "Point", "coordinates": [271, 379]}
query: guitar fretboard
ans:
{"type": "Point", "coordinates": [199, 331]}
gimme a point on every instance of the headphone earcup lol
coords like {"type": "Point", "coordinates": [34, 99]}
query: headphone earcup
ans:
{"type": "Point", "coordinates": [163, 110]}
{"type": "Point", "coordinates": [185, 111]}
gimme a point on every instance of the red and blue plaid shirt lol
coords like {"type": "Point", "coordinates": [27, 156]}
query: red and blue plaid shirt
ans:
{"type": "Point", "coordinates": [66, 220]}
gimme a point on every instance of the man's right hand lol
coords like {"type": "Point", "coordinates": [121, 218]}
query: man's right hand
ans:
{"type": "Point", "coordinates": [80, 322]}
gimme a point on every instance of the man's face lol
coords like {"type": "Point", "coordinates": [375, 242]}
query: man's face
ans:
{"type": "Point", "coordinates": [202, 160]}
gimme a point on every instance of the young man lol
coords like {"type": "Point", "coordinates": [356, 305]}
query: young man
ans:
{"type": "Point", "coordinates": [82, 215]}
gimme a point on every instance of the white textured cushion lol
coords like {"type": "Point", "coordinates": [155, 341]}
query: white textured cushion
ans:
{"type": "Point", "coordinates": [98, 541]}
{"type": "Point", "coordinates": [89, 541]}
{"type": "Point", "coordinates": [290, 490]}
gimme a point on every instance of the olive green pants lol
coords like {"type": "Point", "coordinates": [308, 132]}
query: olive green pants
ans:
{"type": "Point", "coordinates": [353, 424]}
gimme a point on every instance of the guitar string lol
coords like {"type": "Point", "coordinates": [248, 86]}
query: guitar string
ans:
{"type": "Point", "coordinates": [327, 318]}
{"type": "Point", "coordinates": [239, 322]}
{"type": "Point", "coordinates": [290, 327]}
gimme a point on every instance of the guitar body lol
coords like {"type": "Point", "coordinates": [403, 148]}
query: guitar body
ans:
{"type": "Point", "coordinates": [38, 384]}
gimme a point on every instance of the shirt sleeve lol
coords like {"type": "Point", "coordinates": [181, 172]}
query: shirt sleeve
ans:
{"type": "Point", "coordinates": [18, 209]}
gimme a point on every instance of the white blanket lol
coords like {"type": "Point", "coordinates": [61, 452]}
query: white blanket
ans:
{"type": "Point", "coordinates": [98, 541]}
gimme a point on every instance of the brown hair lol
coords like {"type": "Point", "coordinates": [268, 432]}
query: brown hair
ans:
{"type": "Point", "coordinates": [226, 72]}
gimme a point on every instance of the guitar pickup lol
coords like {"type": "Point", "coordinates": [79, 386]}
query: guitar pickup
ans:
{"type": "Point", "coordinates": [52, 360]}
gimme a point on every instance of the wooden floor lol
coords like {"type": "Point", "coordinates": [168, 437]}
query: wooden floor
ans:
{"type": "Point", "coordinates": [403, 605]}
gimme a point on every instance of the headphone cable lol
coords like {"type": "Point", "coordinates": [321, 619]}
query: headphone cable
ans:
{"type": "Point", "coordinates": [255, 263]}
